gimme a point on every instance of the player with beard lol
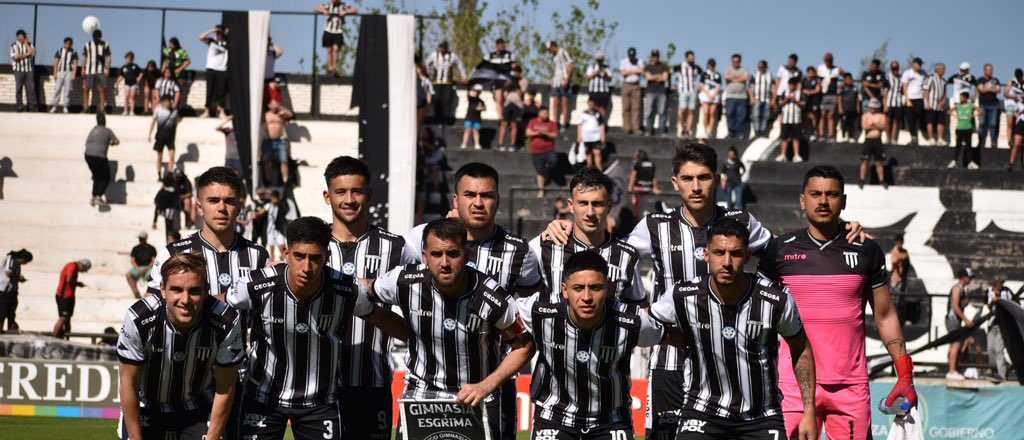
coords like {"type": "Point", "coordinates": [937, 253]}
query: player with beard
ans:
{"type": "Point", "coordinates": [831, 280]}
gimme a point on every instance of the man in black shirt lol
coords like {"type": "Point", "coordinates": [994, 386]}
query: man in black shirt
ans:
{"type": "Point", "coordinates": [129, 78]}
{"type": "Point", "coordinates": [142, 261]}
{"type": "Point", "coordinates": [988, 99]}
{"type": "Point", "coordinates": [873, 81]}
{"type": "Point", "coordinates": [656, 74]}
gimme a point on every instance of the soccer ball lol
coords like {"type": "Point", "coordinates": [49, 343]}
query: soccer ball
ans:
{"type": "Point", "coordinates": [90, 23]}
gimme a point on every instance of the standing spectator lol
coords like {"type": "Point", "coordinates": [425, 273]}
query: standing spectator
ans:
{"type": "Point", "coordinates": [96, 59]}
{"type": "Point", "coordinates": [561, 83]}
{"type": "Point", "coordinates": [874, 123]}
{"type": "Point", "coordinates": [65, 64]}
{"type": "Point", "coordinates": [504, 61]}
{"type": "Point", "coordinates": [631, 68]}
{"type": "Point", "coordinates": [912, 81]}
{"type": "Point", "coordinates": [830, 76]}
{"type": "Point", "coordinates": [542, 132]}
{"type": "Point", "coordinates": [782, 76]}
{"type": "Point", "coordinates": [956, 319]}
{"type": "Point", "coordinates": [231, 157]}
{"type": "Point", "coordinates": [183, 187]}
{"type": "Point", "coordinates": [1015, 91]}
{"type": "Point", "coordinates": [167, 204]}
{"type": "Point", "coordinates": [166, 86]}
{"type": "Point", "coordinates": [936, 106]}
{"type": "Point", "coordinates": [142, 256]}
{"type": "Point", "coordinates": [216, 69]}
{"type": "Point", "coordinates": [872, 82]}
{"type": "Point", "coordinates": [67, 287]}
{"type": "Point", "coordinates": [10, 279]}
{"type": "Point", "coordinates": [966, 113]}
{"type": "Point", "coordinates": [269, 72]}
{"type": "Point", "coordinates": [334, 31]}
{"type": "Point", "coordinates": [736, 80]}
{"type": "Point", "coordinates": [893, 106]}
{"type": "Point", "coordinates": [276, 149]}
{"type": "Point", "coordinates": [688, 87]}
{"type": "Point", "coordinates": [599, 78]}
{"type": "Point", "coordinates": [510, 116]}
{"type": "Point", "coordinates": [23, 61]}
{"type": "Point", "coordinates": [100, 139]}
{"type": "Point", "coordinates": [994, 339]}
{"type": "Point", "coordinates": [473, 120]}
{"type": "Point", "coordinates": [849, 108]}
{"type": "Point", "coordinates": [129, 78]}
{"type": "Point", "coordinates": [149, 78]}
{"type": "Point", "coordinates": [424, 94]}
{"type": "Point", "coordinates": [432, 185]}
{"type": "Point", "coordinates": [988, 99]}
{"type": "Point", "coordinates": [760, 94]}
{"type": "Point", "coordinates": [442, 64]}
{"type": "Point", "coordinates": [642, 180]}
{"type": "Point", "coordinates": [710, 98]}
{"type": "Point", "coordinates": [791, 105]}
{"type": "Point", "coordinates": [562, 211]}
{"type": "Point", "coordinates": [899, 261]}
{"type": "Point", "coordinates": [812, 98]}
{"type": "Point", "coordinates": [732, 180]}
{"type": "Point", "coordinates": [165, 122]}
{"type": "Point", "coordinates": [591, 132]}
{"type": "Point", "coordinates": [277, 222]}
{"type": "Point", "coordinates": [176, 57]}
{"type": "Point", "coordinates": [656, 73]}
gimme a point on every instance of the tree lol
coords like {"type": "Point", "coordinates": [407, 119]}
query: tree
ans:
{"type": "Point", "coordinates": [582, 34]}
{"type": "Point", "coordinates": [879, 54]}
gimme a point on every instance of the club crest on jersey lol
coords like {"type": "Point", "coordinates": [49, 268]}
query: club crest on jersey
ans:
{"type": "Point", "coordinates": [224, 279]}
{"type": "Point", "coordinates": [728, 332]}
{"type": "Point", "coordinates": [698, 253]}
{"type": "Point", "coordinates": [851, 259]}
{"type": "Point", "coordinates": [348, 268]}
{"type": "Point", "coordinates": [494, 265]}
{"type": "Point", "coordinates": [615, 273]}
{"type": "Point", "coordinates": [301, 328]}
{"type": "Point", "coordinates": [583, 356]}
{"type": "Point", "coordinates": [449, 324]}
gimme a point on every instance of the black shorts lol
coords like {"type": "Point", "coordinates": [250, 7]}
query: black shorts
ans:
{"type": "Point", "coordinates": [189, 425]}
{"type": "Point", "coordinates": [936, 117]}
{"type": "Point", "coordinates": [790, 131]}
{"type": "Point", "coordinates": [1018, 128]}
{"type": "Point", "coordinates": [328, 39]}
{"type": "Point", "coordinates": [512, 113]}
{"type": "Point", "coordinates": [596, 145]}
{"type": "Point", "coordinates": [164, 141]}
{"type": "Point", "coordinates": [548, 430]}
{"type": "Point", "coordinates": [544, 163]}
{"type": "Point", "coordinates": [699, 426]}
{"type": "Point", "coordinates": [264, 422]}
{"type": "Point", "coordinates": [896, 114]}
{"type": "Point", "coordinates": [665, 399]}
{"type": "Point", "coordinates": [8, 310]}
{"type": "Point", "coordinates": [65, 307]}
{"type": "Point", "coordinates": [601, 99]}
{"type": "Point", "coordinates": [873, 150]}
{"type": "Point", "coordinates": [366, 412]}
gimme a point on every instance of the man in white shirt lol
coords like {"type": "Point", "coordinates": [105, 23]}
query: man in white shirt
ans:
{"type": "Point", "coordinates": [216, 69]}
{"type": "Point", "coordinates": [831, 75]}
{"type": "Point", "coordinates": [912, 82]}
{"type": "Point", "coordinates": [591, 133]}
{"type": "Point", "coordinates": [632, 69]}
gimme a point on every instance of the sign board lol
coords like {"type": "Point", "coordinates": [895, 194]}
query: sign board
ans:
{"type": "Point", "coordinates": [438, 417]}
{"type": "Point", "coordinates": [59, 388]}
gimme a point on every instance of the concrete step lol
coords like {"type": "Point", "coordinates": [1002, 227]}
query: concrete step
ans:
{"type": "Point", "coordinates": [991, 176]}
{"type": "Point", "coordinates": [91, 314]}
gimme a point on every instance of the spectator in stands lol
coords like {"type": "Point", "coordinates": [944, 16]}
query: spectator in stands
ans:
{"type": "Point", "coordinates": [96, 60]}
{"type": "Point", "coordinates": [473, 121]}
{"type": "Point", "coordinates": [176, 57]}
{"type": "Point", "coordinates": [631, 68]}
{"type": "Point", "coordinates": [23, 56]}
{"type": "Point", "coordinates": [642, 180]}
{"type": "Point", "coordinates": [432, 182]}
{"type": "Point", "coordinates": [216, 69]}
{"type": "Point", "coordinates": [150, 76]}
{"type": "Point", "coordinates": [592, 132]}
{"type": "Point", "coordinates": [67, 287]}
{"type": "Point", "coordinates": [963, 81]}
{"type": "Point", "coordinates": [732, 180]}
{"type": "Point", "coordinates": [936, 106]}
{"type": "Point", "coordinates": [899, 261]}
{"type": "Point", "coordinates": [442, 64]}
{"type": "Point", "coordinates": [167, 86]}
{"type": "Point", "coordinates": [912, 82]}
{"type": "Point", "coordinates": [503, 60]}
{"type": "Point", "coordinates": [988, 99]}
{"type": "Point", "coordinates": [424, 94]}
{"type": "Point", "coordinates": [510, 116]}
{"type": "Point", "coordinates": [333, 37]}
{"type": "Point", "coordinates": [65, 66]}
{"type": "Point", "coordinates": [812, 99]}
{"type": "Point", "coordinates": [561, 83]}
{"type": "Point", "coordinates": [167, 204]}
{"type": "Point", "coordinates": [849, 108]}
{"type": "Point", "coordinates": [142, 256]}
{"type": "Point", "coordinates": [276, 215]}
{"type": "Point", "coordinates": [710, 98]}
{"type": "Point", "coordinates": [736, 80]}
{"type": "Point", "coordinates": [109, 338]}
{"type": "Point", "coordinates": [599, 78]}
{"type": "Point", "coordinates": [561, 210]}
{"type": "Point", "coordinates": [783, 75]}
{"type": "Point", "coordinates": [10, 279]}
{"type": "Point", "coordinates": [165, 123]}
{"type": "Point", "coordinates": [872, 82]}
{"type": "Point", "coordinates": [688, 87]}
{"type": "Point", "coordinates": [97, 143]}
{"type": "Point", "coordinates": [272, 88]}
{"type": "Point", "coordinates": [656, 73]}
{"type": "Point", "coordinates": [183, 187]}
{"type": "Point", "coordinates": [1015, 91]}
{"type": "Point", "coordinates": [874, 123]}
{"type": "Point", "coordinates": [955, 319]}
{"type": "Point", "coordinates": [276, 150]}
{"type": "Point", "coordinates": [994, 339]}
{"type": "Point", "coordinates": [128, 79]}
{"type": "Point", "coordinates": [893, 105]}
{"type": "Point", "coordinates": [542, 132]}
{"type": "Point", "coordinates": [791, 104]}
{"type": "Point", "coordinates": [831, 76]}
{"type": "Point", "coordinates": [231, 157]}
{"type": "Point", "coordinates": [761, 99]}
{"type": "Point", "coordinates": [965, 113]}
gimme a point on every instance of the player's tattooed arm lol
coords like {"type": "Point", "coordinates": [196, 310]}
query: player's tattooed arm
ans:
{"type": "Point", "coordinates": [803, 365]}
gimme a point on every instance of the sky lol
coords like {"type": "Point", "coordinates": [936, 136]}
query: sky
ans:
{"type": "Point", "coordinates": [937, 31]}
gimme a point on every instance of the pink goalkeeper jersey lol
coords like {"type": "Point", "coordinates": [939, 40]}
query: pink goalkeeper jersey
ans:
{"type": "Point", "coordinates": [831, 282]}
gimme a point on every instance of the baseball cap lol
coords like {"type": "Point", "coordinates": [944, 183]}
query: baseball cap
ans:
{"type": "Point", "coordinates": [143, 235]}
{"type": "Point", "coordinates": [599, 55]}
{"type": "Point", "coordinates": [965, 65]}
{"type": "Point", "coordinates": [965, 272]}
{"type": "Point", "coordinates": [655, 53]}
{"type": "Point", "coordinates": [86, 264]}
{"type": "Point", "coordinates": [631, 51]}
{"type": "Point", "coordinates": [478, 87]}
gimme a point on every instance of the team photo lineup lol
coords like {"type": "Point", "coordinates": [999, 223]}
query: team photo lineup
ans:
{"type": "Point", "coordinates": [256, 322]}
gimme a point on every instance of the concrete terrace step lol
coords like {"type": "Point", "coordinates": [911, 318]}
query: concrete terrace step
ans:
{"type": "Point", "coordinates": [992, 176]}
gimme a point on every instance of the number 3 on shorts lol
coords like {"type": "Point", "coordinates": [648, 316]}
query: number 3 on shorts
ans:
{"type": "Point", "coordinates": [329, 429]}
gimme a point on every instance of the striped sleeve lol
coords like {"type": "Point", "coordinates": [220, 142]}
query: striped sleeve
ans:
{"type": "Point", "coordinates": [664, 310]}
{"type": "Point", "coordinates": [651, 330]}
{"type": "Point", "coordinates": [129, 344]}
{"type": "Point", "coordinates": [231, 351]}
{"type": "Point", "coordinates": [240, 296]}
{"type": "Point", "coordinates": [789, 323]}
{"type": "Point", "coordinates": [385, 287]}
{"type": "Point", "coordinates": [640, 238]}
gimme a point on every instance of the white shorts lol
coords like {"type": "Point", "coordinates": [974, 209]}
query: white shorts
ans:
{"type": "Point", "coordinates": [275, 238]}
{"type": "Point", "coordinates": [705, 99]}
{"type": "Point", "coordinates": [1010, 106]}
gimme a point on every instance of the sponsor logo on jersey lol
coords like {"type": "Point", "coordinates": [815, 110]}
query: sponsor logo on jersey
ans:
{"type": "Point", "coordinates": [688, 288]}
{"type": "Point", "coordinates": [794, 257]}
{"type": "Point", "coordinates": [418, 312]}
{"type": "Point", "coordinates": [770, 295]}
{"type": "Point", "coordinates": [692, 425]}
{"type": "Point", "coordinates": [263, 285]}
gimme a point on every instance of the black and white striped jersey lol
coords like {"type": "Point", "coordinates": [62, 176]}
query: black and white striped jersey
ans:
{"type": "Point", "coordinates": [689, 79]}
{"type": "Point", "coordinates": [364, 347]}
{"type": "Point", "coordinates": [582, 377]}
{"type": "Point", "coordinates": [166, 87]}
{"type": "Point", "coordinates": [455, 341]}
{"type": "Point", "coordinates": [894, 86]}
{"type": "Point", "coordinates": [761, 86]}
{"type": "Point", "coordinates": [293, 358]}
{"type": "Point", "coordinates": [622, 259]}
{"type": "Point", "coordinates": [223, 269]}
{"type": "Point", "coordinates": [677, 248]}
{"type": "Point", "coordinates": [732, 348]}
{"type": "Point", "coordinates": [440, 66]}
{"type": "Point", "coordinates": [176, 367]}
{"type": "Point", "coordinates": [21, 49]}
{"type": "Point", "coordinates": [962, 82]}
{"type": "Point", "coordinates": [503, 256]}
{"type": "Point", "coordinates": [65, 60]}
{"type": "Point", "coordinates": [501, 57]}
{"type": "Point", "coordinates": [95, 58]}
{"type": "Point", "coordinates": [791, 113]}
{"type": "Point", "coordinates": [602, 80]}
{"type": "Point", "coordinates": [935, 85]}
{"type": "Point", "coordinates": [335, 19]}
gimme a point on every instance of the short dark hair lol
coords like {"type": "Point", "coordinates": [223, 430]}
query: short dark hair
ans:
{"type": "Point", "coordinates": [847, 75]}
{"type": "Point", "coordinates": [729, 227]}
{"type": "Point", "coordinates": [688, 53]}
{"type": "Point", "coordinates": [591, 178]}
{"type": "Point", "coordinates": [20, 33]}
{"type": "Point", "coordinates": [22, 254]}
{"type": "Point", "coordinates": [446, 229]}
{"type": "Point", "coordinates": [129, 54]}
{"type": "Point", "coordinates": [794, 57]}
{"type": "Point", "coordinates": [346, 166]}
{"type": "Point", "coordinates": [183, 263]}
{"type": "Point", "coordinates": [876, 61]}
{"type": "Point", "coordinates": [68, 40]}
{"type": "Point", "coordinates": [711, 62]}
{"type": "Point", "coordinates": [825, 172]}
{"type": "Point", "coordinates": [101, 119]}
{"type": "Point", "coordinates": [477, 170]}
{"type": "Point", "coordinates": [811, 69]}
{"type": "Point", "coordinates": [737, 55]}
{"type": "Point", "coordinates": [222, 175]}
{"type": "Point", "coordinates": [174, 42]}
{"type": "Point", "coordinates": [97, 33]}
{"type": "Point", "coordinates": [308, 230]}
{"type": "Point", "coordinates": [586, 260]}
{"type": "Point", "coordinates": [760, 62]}
{"type": "Point", "coordinates": [917, 60]}
{"type": "Point", "coordinates": [696, 153]}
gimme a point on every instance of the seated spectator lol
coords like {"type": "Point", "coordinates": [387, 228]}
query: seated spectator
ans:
{"type": "Point", "coordinates": [732, 180]}
{"type": "Point", "coordinates": [591, 132]}
{"type": "Point", "coordinates": [142, 257]}
{"type": "Point", "coordinates": [109, 338]}
{"type": "Point", "coordinates": [10, 279]}
{"type": "Point", "coordinates": [642, 180]}
{"type": "Point", "coordinates": [562, 209]}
